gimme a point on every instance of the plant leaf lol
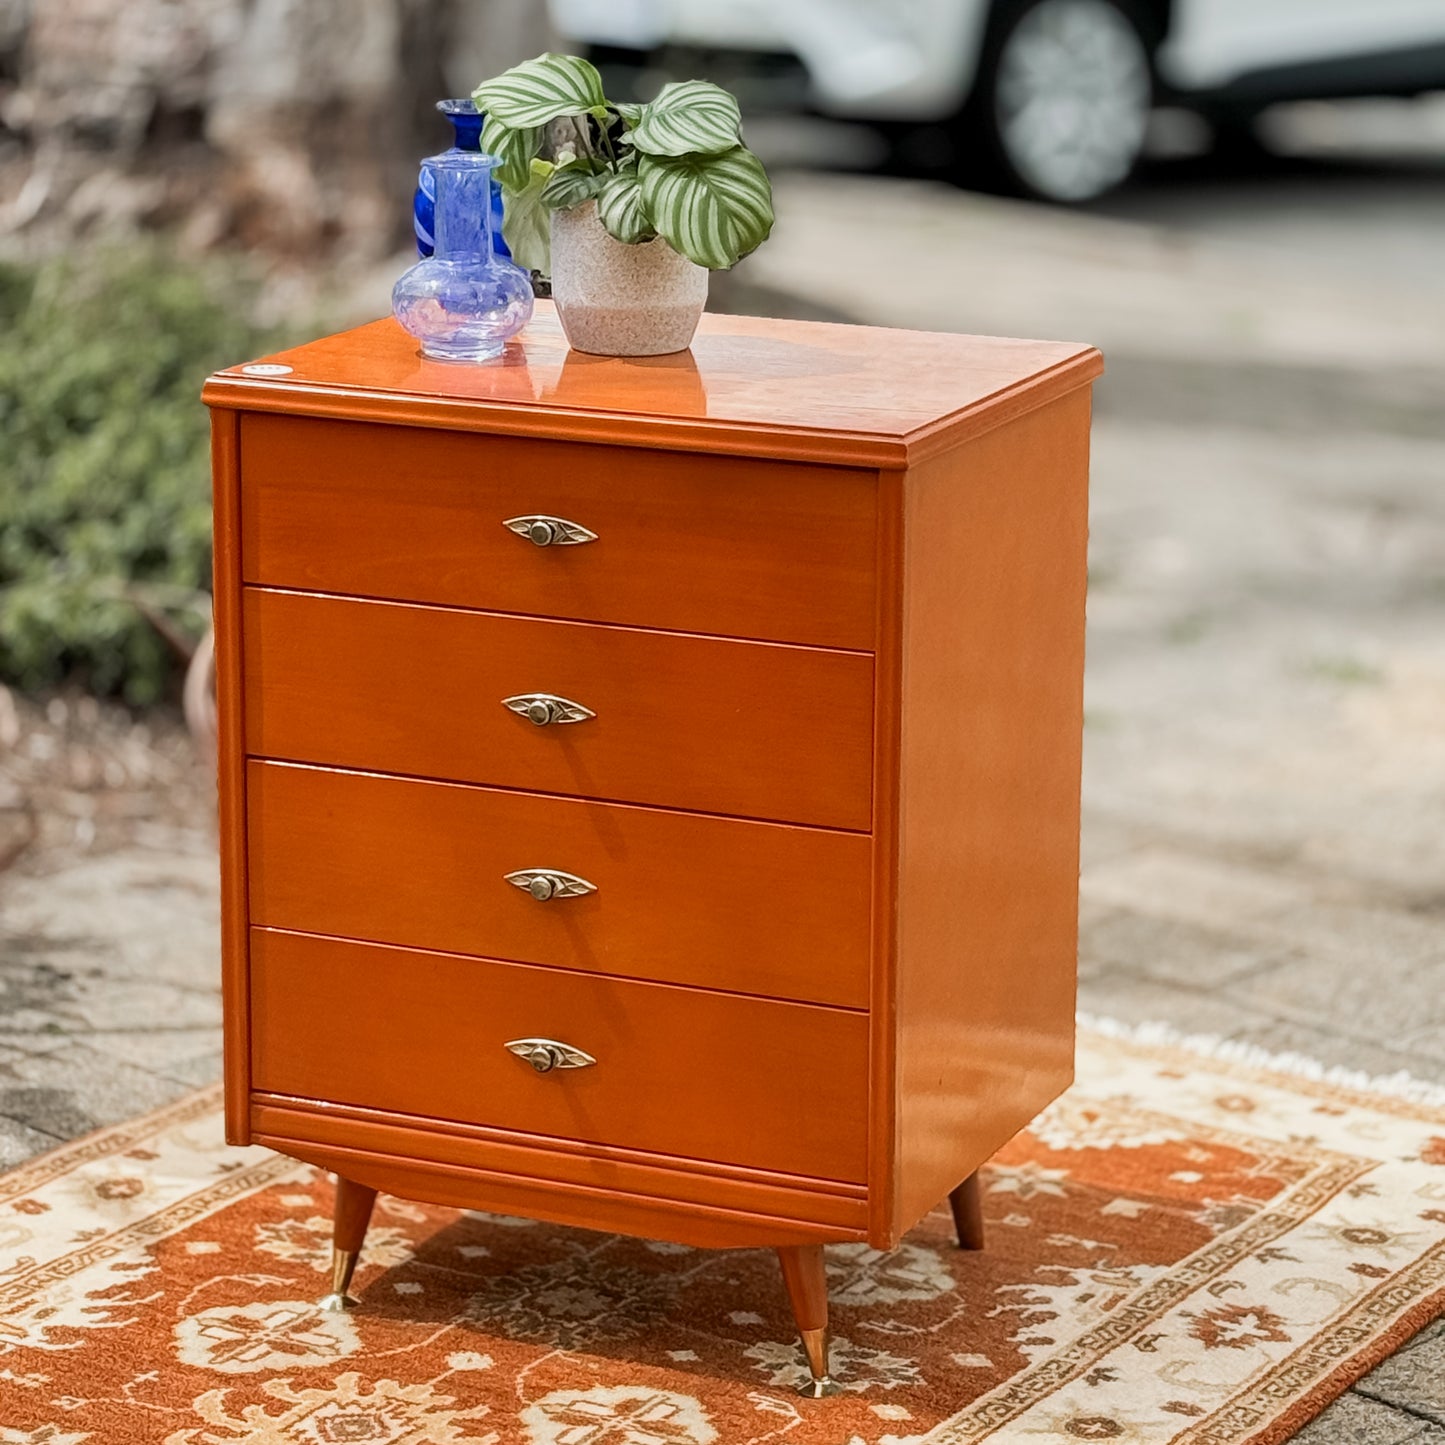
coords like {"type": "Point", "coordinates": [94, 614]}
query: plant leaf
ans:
{"type": "Point", "coordinates": [688, 117]}
{"type": "Point", "coordinates": [621, 209]}
{"type": "Point", "coordinates": [714, 209]}
{"type": "Point", "coordinates": [540, 90]}
{"type": "Point", "coordinates": [513, 148]}
{"type": "Point", "coordinates": [570, 185]}
{"type": "Point", "coordinates": [527, 223]}
{"type": "Point", "coordinates": [630, 111]}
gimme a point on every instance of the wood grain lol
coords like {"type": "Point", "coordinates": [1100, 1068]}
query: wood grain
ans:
{"type": "Point", "coordinates": [712, 1198]}
{"type": "Point", "coordinates": [414, 1176]}
{"type": "Point", "coordinates": [988, 849]}
{"type": "Point", "coordinates": [745, 728]}
{"type": "Point", "coordinates": [883, 935]}
{"type": "Point", "coordinates": [741, 548]}
{"type": "Point", "coordinates": [832, 631]}
{"type": "Point", "coordinates": [755, 908]}
{"type": "Point", "coordinates": [679, 1071]}
{"type": "Point", "coordinates": [805, 1278]}
{"type": "Point", "coordinates": [966, 1204]}
{"type": "Point", "coordinates": [231, 772]}
{"type": "Point", "coordinates": [858, 396]}
{"type": "Point", "coordinates": [351, 1214]}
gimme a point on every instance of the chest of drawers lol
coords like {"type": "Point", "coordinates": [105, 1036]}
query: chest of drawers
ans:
{"type": "Point", "coordinates": [649, 789]}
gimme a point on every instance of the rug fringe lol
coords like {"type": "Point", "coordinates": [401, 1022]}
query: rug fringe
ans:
{"type": "Point", "coordinates": [1399, 1085]}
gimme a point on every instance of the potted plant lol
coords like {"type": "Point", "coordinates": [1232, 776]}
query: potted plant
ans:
{"type": "Point", "coordinates": [626, 206]}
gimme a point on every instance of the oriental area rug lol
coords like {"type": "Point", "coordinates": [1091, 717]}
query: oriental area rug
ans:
{"type": "Point", "coordinates": [1192, 1247]}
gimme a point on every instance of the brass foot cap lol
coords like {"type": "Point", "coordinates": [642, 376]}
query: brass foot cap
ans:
{"type": "Point", "coordinates": [336, 1303]}
{"type": "Point", "coordinates": [820, 1389]}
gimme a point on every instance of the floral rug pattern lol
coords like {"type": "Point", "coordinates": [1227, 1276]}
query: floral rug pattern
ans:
{"type": "Point", "coordinates": [1184, 1249]}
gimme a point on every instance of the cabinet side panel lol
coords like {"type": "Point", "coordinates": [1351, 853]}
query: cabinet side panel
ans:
{"type": "Point", "coordinates": [995, 558]}
{"type": "Point", "coordinates": [231, 771]}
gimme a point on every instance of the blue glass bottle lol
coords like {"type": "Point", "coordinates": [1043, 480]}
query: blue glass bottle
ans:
{"type": "Point", "coordinates": [463, 303]}
{"type": "Point", "coordinates": [466, 122]}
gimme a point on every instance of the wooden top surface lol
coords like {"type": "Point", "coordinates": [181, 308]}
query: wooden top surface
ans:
{"type": "Point", "coordinates": [853, 395]}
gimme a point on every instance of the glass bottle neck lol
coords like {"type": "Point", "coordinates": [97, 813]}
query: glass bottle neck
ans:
{"type": "Point", "coordinates": [463, 212]}
{"type": "Point", "coordinates": [466, 130]}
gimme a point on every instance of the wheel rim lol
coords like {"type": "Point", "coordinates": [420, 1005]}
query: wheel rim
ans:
{"type": "Point", "coordinates": [1073, 98]}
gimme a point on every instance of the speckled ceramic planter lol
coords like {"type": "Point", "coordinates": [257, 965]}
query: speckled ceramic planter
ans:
{"type": "Point", "coordinates": [617, 300]}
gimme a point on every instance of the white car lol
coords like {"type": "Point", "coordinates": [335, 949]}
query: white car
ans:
{"type": "Point", "coordinates": [1056, 94]}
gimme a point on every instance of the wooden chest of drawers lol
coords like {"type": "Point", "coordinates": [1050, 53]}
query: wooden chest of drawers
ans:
{"type": "Point", "coordinates": [649, 789]}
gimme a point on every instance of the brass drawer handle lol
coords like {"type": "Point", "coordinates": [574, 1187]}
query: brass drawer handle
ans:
{"type": "Point", "coordinates": [546, 707]}
{"type": "Point", "coordinates": [544, 1055]}
{"type": "Point", "coordinates": [546, 531]}
{"type": "Point", "coordinates": [545, 883]}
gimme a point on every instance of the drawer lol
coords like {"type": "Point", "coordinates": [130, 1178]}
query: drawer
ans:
{"type": "Point", "coordinates": [712, 1076]}
{"type": "Point", "coordinates": [733, 546]}
{"type": "Point", "coordinates": [680, 897]}
{"type": "Point", "coordinates": [747, 728]}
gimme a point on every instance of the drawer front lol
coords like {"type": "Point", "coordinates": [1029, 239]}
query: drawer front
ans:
{"type": "Point", "coordinates": [752, 907]}
{"type": "Point", "coordinates": [732, 546]}
{"type": "Point", "coordinates": [746, 728]}
{"type": "Point", "coordinates": [700, 1075]}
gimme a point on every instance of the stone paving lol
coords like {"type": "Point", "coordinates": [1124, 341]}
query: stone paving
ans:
{"type": "Point", "coordinates": [1265, 731]}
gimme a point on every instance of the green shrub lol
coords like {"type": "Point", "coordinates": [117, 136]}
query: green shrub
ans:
{"type": "Point", "coordinates": [104, 465]}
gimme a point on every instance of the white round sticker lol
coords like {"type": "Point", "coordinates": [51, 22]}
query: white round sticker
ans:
{"type": "Point", "coordinates": [266, 368]}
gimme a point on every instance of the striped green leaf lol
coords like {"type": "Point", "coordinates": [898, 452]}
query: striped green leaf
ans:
{"type": "Point", "coordinates": [621, 209]}
{"type": "Point", "coordinates": [513, 148]}
{"type": "Point", "coordinates": [527, 223]}
{"type": "Point", "coordinates": [570, 185]}
{"type": "Point", "coordinates": [714, 209]}
{"type": "Point", "coordinates": [689, 117]}
{"type": "Point", "coordinates": [541, 90]}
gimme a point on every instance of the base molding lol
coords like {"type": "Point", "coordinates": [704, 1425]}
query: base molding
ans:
{"type": "Point", "coordinates": [709, 1205]}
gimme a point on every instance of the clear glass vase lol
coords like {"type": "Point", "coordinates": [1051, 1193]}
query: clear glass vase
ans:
{"type": "Point", "coordinates": [464, 303]}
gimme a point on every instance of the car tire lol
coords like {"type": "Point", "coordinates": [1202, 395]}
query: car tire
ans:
{"type": "Point", "coordinates": [1061, 102]}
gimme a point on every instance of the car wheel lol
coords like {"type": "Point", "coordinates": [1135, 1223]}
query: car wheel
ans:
{"type": "Point", "coordinates": [1062, 99]}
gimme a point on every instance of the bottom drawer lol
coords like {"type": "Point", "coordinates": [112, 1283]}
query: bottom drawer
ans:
{"type": "Point", "coordinates": [680, 1071]}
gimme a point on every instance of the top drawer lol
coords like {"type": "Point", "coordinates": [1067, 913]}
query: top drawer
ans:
{"type": "Point", "coordinates": [733, 546]}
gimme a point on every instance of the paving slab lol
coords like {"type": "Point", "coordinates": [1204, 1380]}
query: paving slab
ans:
{"type": "Point", "coordinates": [172, 1052]}
{"type": "Point", "coordinates": [162, 919]}
{"type": "Point", "coordinates": [1172, 884]}
{"type": "Point", "coordinates": [1327, 1044]}
{"type": "Point", "coordinates": [1172, 950]}
{"type": "Point", "coordinates": [73, 1089]}
{"type": "Point", "coordinates": [19, 1142]}
{"type": "Point", "coordinates": [1355, 1420]}
{"type": "Point", "coordinates": [1133, 997]}
{"type": "Point", "coordinates": [1413, 1380]}
{"type": "Point", "coordinates": [1347, 995]}
{"type": "Point", "coordinates": [1376, 938]}
{"type": "Point", "coordinates": [197, 1071]}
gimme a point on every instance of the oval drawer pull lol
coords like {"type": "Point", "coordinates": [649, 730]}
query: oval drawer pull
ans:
{"type": "Point", "coordinates": [546, 531]}
{"type": "Point", "coordinates": [544, 1055]}
{"type": "Point", "coordinates": [546, 707]}
{"type": "Point", "coordinates": [545, 883]}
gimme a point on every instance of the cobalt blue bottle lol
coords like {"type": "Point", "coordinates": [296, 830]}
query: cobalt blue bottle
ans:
{"type": "Point", "coordinates": [466, 122]}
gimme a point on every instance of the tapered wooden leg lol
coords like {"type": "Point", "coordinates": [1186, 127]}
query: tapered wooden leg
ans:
{"type": "Point", "coordinates": [967, 1205]}
{"type": "Point", "coordinates": [807, 1284]}
{"type": "Point", "coordinates": [348, 1230]}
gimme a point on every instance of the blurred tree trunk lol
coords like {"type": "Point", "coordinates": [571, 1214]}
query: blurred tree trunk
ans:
{"type": "Point", "coordinates": [290, 126]}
